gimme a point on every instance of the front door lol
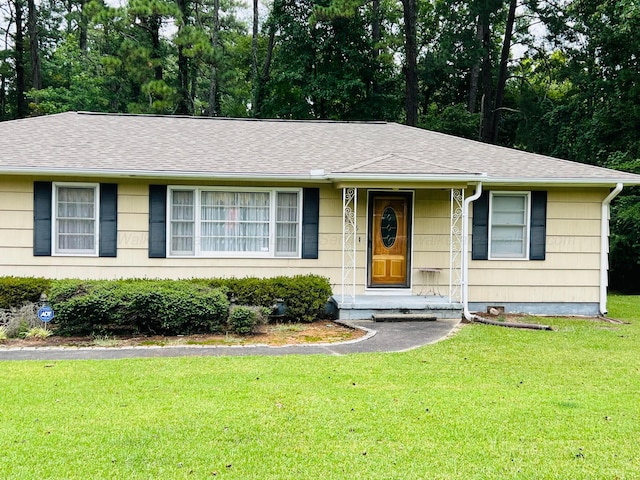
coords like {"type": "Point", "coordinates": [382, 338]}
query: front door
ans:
{"type": "Point", "coordinates": [389, 235]}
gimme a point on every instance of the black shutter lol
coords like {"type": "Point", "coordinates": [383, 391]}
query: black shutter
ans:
{"type": "Point", "coordinates": [42, 219]}
{"type": "Point", "coordinates": [157, 221]}
{"type": "Point", "coordinates": [480, 231]}
{"type": "Point", "coordinates": [537, 246]}
{"type": "Point", "coordinates": [310, 220]}
{"type": "Point", "coordinates": [108, 246]}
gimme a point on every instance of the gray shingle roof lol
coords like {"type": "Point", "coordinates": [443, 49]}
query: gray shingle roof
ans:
{"type": "Point", "coordinates": [172, 146]}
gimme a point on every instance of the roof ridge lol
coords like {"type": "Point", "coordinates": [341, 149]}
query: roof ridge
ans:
{"type": "Point", "coordinates": [400, 155]}
{"type": "Point", "coordinates": [238, 119]}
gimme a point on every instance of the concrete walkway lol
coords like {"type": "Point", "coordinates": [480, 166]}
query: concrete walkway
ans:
{"type": "Point", "coordinates": [380, 337]}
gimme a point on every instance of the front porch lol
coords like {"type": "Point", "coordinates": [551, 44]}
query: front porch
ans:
{"type": "Point", "coordinates": [430, 268]}
{"type": "Point", "coordinates": [364, 307]}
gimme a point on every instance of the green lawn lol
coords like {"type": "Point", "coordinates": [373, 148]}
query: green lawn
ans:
{"type": "Point", "coordinates": [490, 403]}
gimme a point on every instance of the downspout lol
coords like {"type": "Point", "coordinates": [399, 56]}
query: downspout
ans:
{"type": "Point", "coordinates": [604, 247]}
{"type": "Point", "coordinates": [465, 252]}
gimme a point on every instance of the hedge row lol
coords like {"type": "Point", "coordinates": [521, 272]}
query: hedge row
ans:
{"type": "Point", "coordinates": [16, 291]}
{"type": "Point", "coordinates": [137, 307]}
{"type": "Point", "coordinates": [304, 296]}
{"type": "Point", "coordinates": [169, 307]}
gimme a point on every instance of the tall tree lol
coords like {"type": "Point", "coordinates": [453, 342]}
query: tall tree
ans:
{"type": "Point", "coordinates": [34, 47]}
{"type": "Point", "coordinates": [410, 67]}
{"type": "Point", "coordinates": [19, 49]}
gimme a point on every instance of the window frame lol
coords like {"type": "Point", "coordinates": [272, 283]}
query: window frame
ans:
{"type": "Point", "coordinates": [527, 225]}
{"type": "Point", "coordinates": [55, 251]}
{"type": "Point", "coordinates": [197, 222]}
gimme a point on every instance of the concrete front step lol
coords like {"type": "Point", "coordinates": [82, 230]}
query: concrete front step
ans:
{"type": "Point", "coordinates": [404, 317]}
{"type": "Point", "coordinates": [364, 307]}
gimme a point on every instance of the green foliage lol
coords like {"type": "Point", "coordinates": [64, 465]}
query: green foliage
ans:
{"type": "Point", "coordinates": [242, 319]}
{"type": "Point", "coordinates": [305, 296]}
{"type": "Point", "coordinates": [15, 291]}
{"type": "Point", "coordinates": [454, 120]}
{"type": "Point", "coordinates": [37, 332]}
{"type": "Point", "coordinates": [3, 333]}
{"type": "Point", "coordinates": [138, 306]}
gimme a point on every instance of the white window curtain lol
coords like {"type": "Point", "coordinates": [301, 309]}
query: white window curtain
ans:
{"type": "Point", "coordinates": [76, 219]}
{"type": "Point", "coordinates": [234, 221]}
{"type": "Point", "coordinates": [260, 223]}
{"type": "Point", "coordinates": [287, 222]}
{"type": "Point", "coordinates": [509, 226]}
{"type": "Point", "coordinates": [182, 222]}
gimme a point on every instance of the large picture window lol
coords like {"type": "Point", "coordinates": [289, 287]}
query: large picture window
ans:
{"type": "Point", "coordinates": [75, 222]}
{"type": "Point", "coordinates": [221, 222]}
{"type": "Point", "coordinates": [509, 225]}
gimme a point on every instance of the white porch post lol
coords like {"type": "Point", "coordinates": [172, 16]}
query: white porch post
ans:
{"type": "Point", "coordinates": [455, 246]}
{"type": "Point", "coordinates": [349, 241]}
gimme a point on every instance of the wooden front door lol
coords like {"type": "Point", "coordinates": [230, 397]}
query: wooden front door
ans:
{"type": "Point", "coordinates": [389, 234]}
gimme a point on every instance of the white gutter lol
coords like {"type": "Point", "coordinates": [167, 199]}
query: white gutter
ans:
{"type": "Point", "coordinates": [604, 247]}
{"type": "Point", "coordinates": [465, 252]}
{"type": "Point", "coordinates": [315, 176]}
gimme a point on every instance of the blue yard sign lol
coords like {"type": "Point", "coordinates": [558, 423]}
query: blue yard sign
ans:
{"type": "Point", "coordinates": [45, 313]}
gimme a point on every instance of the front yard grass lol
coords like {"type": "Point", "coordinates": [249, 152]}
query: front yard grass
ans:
{"type": "Point", "coordinates": [489, 403]}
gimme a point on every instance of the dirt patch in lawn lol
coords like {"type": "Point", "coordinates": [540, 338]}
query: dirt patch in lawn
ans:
{"type": "Point", "coordinates": [272, 334]}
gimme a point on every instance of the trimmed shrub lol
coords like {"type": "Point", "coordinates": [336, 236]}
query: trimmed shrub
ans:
{"type": "Point", "coordinates": [305, 296]}
{"type": "Point", "coordinates": [242, 319]}
{"type": "Point", "coordinates": [138, 306]}
{"type": "Point", "coordinates": [16, 291]}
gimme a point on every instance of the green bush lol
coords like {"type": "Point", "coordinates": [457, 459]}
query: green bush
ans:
{"type": "Point", "coordinates": [242, 319]}
{"type": "Point", "coordinates": [138, 306]}
{"type": "Point", "coordinates": [16, 291]}
{"type": "Point", "coordinates": [305, 296]}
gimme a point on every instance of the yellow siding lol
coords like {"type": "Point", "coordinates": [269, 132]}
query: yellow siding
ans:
{"type": "Point", "coordinates": [569, 274]}
{"type": "Point", "coordinates": [571, 271]}
{"type": "Point", "coordinates": [16, 243]}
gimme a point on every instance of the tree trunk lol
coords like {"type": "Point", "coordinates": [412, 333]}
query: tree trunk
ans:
{"type": "Point", "coordinates": [411, 62]}
{"type": "Point", "coordinates": [21, 101]}
{"type": "Point", "coordinates": [264, 76]}
{"type": "Point", "coordinates": [182, 108]}
{"type": "Point", "coordinates": [502, 75]}
{"type": "Point", "coordinates": [475, 74]}
{"type": "Point", "coordinates": [376, 36]}
{"type": "Point", "coordinates": [254, 56]}
{"type": "Point", "coordinates": [83, 25]}
{"type": "Point", "coordinates": [155, 21]}
{"type": "Point", "coordinates": [213, 83]}
{"type": "Point", "coordinates": [487, 88]}
{"type": "Point", "coordinates": [36, 78]}
{"type": "Point", "coordinates": [375, 28]}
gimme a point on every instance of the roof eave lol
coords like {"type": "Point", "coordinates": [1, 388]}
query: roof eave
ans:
{"type": "Point", "coordinates": [321, 177]}
{"type": "Point", "coordinates": [485, 179]}
{"type": "Point", "coordinates": [164, 175]}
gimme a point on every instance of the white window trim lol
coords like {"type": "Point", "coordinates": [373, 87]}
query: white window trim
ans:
{"type": "Point", "coordinates": [527, 218]}
{"type": "Point", "coordinates": [197, 222]}
{"type": "Point", "coordinates": [54, 221]}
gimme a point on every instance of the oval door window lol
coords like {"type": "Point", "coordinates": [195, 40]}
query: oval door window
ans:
{"type": "Point", "coordinates": [389, 227]}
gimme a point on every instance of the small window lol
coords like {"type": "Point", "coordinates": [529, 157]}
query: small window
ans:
{"type": "Point", "coordinates": [509, 225]}
{"type": "Point", "coordinates": [219, 222]}
{"type": "Point", "coordinates": [75, 226]}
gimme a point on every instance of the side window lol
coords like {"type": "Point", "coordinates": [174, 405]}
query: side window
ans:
{"type": "Point", "coordinates": [75, 220]}
{"type": "Point", "coordinates": [509, 225]}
